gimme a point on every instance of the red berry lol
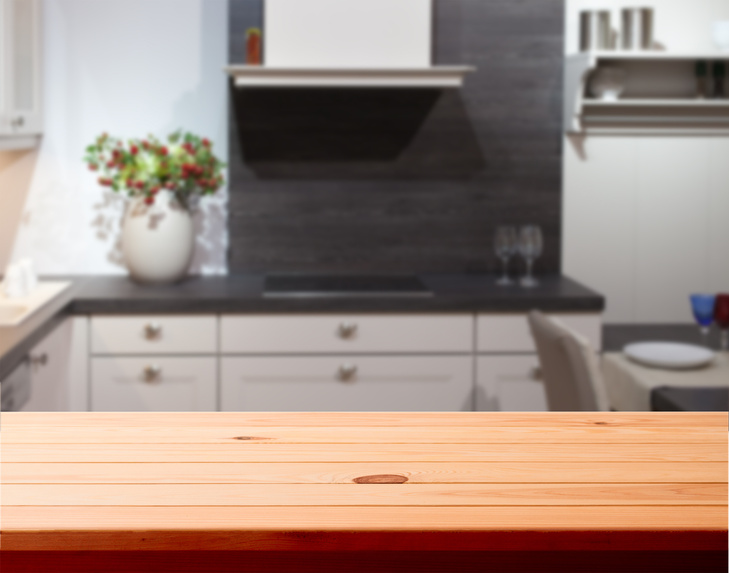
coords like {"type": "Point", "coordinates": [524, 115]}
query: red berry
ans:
{"type": "Point", "coordinates": [111, 165]}
{"type": "Point", "coordinates": [163, 150]}
{"type": "Point", "coordinates": [206, 142]}
{"type": "Point", "coordinates": [139, 185]}
{"type": "Point", "coordinates": [170, 185]}
{"type": "Point", "coordinates": [133, 150]}
{"type": "Point", "coordinates": [93, 166]}
{"type": "Point", "coordinates": [145, 144]}
{"type": "Point", "coordinates": [149, 200]}
{"type": "Point", "coordinates": [105, 182]}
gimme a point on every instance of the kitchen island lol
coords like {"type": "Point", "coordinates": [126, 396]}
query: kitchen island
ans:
{"type": "Point", "coordinates": [364, 492]}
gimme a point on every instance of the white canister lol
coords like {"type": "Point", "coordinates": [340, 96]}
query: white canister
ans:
{"type": "Point", "coordinates": [595, 30]}
{"type": "Point", "coordinates": [637, 30]}
{"type": "Point", "coordinates": [157, 240]}
{"type": "Point", "coordinates": [13, 284]}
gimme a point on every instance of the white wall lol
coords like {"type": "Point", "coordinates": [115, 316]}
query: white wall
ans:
{"type": "Point", "coordinates": [129, 68]}
{"type": "Point", "coordinates": [646, 219]}
{"type": "Point", "coordinates": [16, 171]}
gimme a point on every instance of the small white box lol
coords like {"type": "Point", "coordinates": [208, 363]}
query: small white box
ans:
{"type": "Point", "coordinates": [348, 33]}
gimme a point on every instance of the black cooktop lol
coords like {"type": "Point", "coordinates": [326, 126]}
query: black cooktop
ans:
{"type": "Point", "coordinates": [280, 286]}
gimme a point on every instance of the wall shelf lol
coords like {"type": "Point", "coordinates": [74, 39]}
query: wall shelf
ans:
{"type": "Point", "coordinates": [659, 95]}
{"type": "Point", "coordinates": [662, 102]}
{"type": "Point", "coordinates": [268, 77]}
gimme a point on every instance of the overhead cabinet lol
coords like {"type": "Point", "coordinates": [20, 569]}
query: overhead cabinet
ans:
{"type": "Point", "coordinates": [348, 44]}
{"type": "Point", "coordinates": [20, 73]}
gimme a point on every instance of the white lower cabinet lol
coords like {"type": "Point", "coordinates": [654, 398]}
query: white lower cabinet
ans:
{"type": "Point", "coordinates": [509, 384]}
{"type": "Point", "coordinates": [347, 383]}
{"type": "Point", "coordinates": [59, 369]}
{"type": "Point", "coordinates": [155, 384]}
{"type": "Point", "coordinates": [404, 362]}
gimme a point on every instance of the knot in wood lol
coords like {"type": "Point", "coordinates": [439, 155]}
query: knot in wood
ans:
{"type": "Point", "coordinates": [382, 478]}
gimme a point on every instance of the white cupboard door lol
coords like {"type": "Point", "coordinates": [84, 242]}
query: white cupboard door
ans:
{"type": "Point", "coordinates": [21, 76]}
{"type": "Point", "coordinates": [58, 369]}
{"type": "Point", "coordinates": [347, 383]}
{"type": "Point", "coordinates": [509, 384]}
{"type": "Point", "coordinates": [153, 384]}
{"type": "Point", "coordinates": [502, 333]}
{"type": "Point", "coordinates": [346, 334]}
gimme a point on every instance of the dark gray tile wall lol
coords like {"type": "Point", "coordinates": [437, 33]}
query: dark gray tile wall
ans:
{"type": "Point", "coordinates": [316, 191]}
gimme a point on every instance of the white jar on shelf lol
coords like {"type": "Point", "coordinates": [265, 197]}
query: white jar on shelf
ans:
{"type": "Point", "coordinates": [637, 30]}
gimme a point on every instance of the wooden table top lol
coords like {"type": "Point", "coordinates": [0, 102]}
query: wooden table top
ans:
{"type": "Point", "coordinates": [363, 481]}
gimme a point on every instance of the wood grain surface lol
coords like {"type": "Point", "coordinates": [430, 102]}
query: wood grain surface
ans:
{"type": "Point", "coordinates": [475, 486]}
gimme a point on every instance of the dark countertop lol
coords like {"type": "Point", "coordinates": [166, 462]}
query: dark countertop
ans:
{"type": "Point", "coordinates": [243, 294]}
{"type": "Point", "coordinates": [17, 341]}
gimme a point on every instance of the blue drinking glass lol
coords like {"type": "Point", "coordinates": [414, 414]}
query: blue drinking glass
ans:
{"type": "Point", "coordinates": [703, 307]}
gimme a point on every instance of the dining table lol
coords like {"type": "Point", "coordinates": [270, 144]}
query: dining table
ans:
{"type": "Point", "coordinates": [630, 385]}
{"type": "Point", "coordinates": [445, 492]}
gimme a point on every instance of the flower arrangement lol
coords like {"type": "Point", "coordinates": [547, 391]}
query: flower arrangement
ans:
{"type": "Point", "coordinates": [184, 164]}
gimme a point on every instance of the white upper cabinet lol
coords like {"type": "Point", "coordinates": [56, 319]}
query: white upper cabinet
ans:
{"type": "Point", "coordinates": [348, 33]}
{"type": "Point", "coordinates": [20, 73]}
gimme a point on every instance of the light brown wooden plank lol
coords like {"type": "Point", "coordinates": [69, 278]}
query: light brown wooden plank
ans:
{"type": "Point", "coordinates": [263, 452]}
{"type": "Point", "coordinates": [368, 419]}
{"type": "Point", "coordinates": [167, 520]}
{"type": "Point", "coordinates": [363, 435]}
{"type": "Point", "coordinates": [427, 495]}
{"type": "Point", "coordinates": [416, 472]}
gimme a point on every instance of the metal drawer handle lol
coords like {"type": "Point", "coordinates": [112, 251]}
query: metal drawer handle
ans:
{"type": "Point", "coordinates": [152, 373]}
{"type": "Point", "coordinates": [152, 330]}
{"type": "Point", "coordinates": [36, 361]}
{"type": "Point", "coordinates": [347, 371]}
{"type": "Point", "coordinates": [347, 329]}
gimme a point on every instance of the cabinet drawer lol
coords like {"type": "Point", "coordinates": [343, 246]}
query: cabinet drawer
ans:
{"type": "Point", "coordinates": [347, 383]}
{"type": "Point", "coordinates": [153, 384]}
{"type": "Point", "coordinates": [153, 335]}
{"type": "Point", "coordinates": [510, 332]}
{"type": "Point", "coordinates": [509, 384]}
{"type": "Point", "coordinates": [346, 334]}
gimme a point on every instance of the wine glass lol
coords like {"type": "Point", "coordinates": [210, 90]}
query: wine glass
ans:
{"type": "Point", "coordinates": [505, 244]}
{"type": "Point", "coordinates": [530, 247]}
{"type": "Point", "coordinates": [721, 316]}
{"type": "Point", "coordinates": [703, 308]}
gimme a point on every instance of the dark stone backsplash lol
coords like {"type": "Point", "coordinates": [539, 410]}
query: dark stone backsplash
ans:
{"type": "Point", "coordinates": [317, 189]}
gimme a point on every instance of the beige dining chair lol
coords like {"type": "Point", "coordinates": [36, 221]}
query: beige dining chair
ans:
{"type": "Point", "coordinates": [570, 368]}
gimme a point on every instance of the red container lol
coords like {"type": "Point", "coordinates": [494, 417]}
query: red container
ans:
{"type": "Point", "coordinates": [253, 47]}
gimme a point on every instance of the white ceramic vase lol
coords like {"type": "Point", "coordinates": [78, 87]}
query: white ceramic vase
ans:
{"type": "Point", "coordinates": [157, 240]}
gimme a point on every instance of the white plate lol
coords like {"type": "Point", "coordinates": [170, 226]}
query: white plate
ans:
{"type": "Point", "coordinates": [669, 354]}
